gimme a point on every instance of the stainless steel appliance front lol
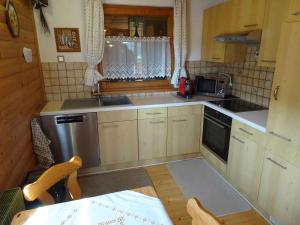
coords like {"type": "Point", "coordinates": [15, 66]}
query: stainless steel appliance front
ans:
{"type": "Point", "coordinates": [73, 134]}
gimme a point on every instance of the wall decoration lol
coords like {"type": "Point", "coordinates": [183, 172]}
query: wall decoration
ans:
{"type": "Point", "coordinates": [12, 19]}
{"type": "Point", "coordinates": [67, 39]}
{"type": "Point", "coordinates": [39, 4]}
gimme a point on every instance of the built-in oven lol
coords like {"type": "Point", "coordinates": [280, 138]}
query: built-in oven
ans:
{"type": "Point", "coordinates": [216, 132]}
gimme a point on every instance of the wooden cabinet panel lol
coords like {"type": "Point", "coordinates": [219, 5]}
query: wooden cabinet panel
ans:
{"type": "Point", "coordinates": [152, 113]}
{"type": "Point", "coordinates": [247, 15]}
{"type": "Point", "coordinates": [279, 190]}
{"type": "Point", "coordinates": [185, 110]}
{"type": "Point", "coordinates": [294, 10]}
{"type": "Point", "coordinates": [275, 15]}
{"type": "Point", "coordinates": [118, 142]}
{"type": "Point", "coordinates": [217, 21]}
{"type": "Point", "coordinates": [183, 134]}
{"type": "Point", "coordinates": [152, 138]}
{"type": "Point", "coordinates": [120, 115]}
{"type": "Point", "coordinates": [244, 166]}
{"type": "Point", "coordinates": [283, 119]}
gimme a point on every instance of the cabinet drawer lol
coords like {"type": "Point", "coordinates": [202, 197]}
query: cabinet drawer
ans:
{"type": "Point", "coordinates": [247, 131]}
{"type": "Point", "coordinates": [152, 113]}
{"type": "Point", "coordinates": [112, 116]}
{"type": "Point", "coordinates": [185, 110]}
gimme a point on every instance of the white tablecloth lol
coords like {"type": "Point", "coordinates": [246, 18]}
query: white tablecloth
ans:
{"type": "Point", "coordinates": [120, 208]}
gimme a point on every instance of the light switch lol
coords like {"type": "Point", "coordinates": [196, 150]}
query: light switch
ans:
{"type": "Point", "coordinates": [60, 58]}
{"type": "Point", "coordinates": [27, 53]}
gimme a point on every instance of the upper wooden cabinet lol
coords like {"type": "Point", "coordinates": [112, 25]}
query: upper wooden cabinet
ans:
{"type": "Point", "coordinates": [294, 10]}
{"type": "Point", "coordinates": [283, 120]}
{"type": "Point", "coordinates": [216, 21]}
{"type": "Point", "coordinates": [275, 14]}
{"type": "Point", "coordinates": [247, 15]}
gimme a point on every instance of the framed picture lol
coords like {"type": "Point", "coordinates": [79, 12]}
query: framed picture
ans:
{"type": "Point", "coordinates": [12, 19]}
{"type": "Point", "coordinates": [67, 39]}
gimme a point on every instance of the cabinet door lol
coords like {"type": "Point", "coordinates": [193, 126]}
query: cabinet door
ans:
{"type": "Point", "coordinates": [283, 119]}
{"type": "Point", "coordinates": [247, 15]}
{"type": "Point", "coordinates": [183, 134]}
{"type": "Point", "coordinates": [275, 15]}
{"type": "Point", "coordinates": [279, 190]}
{"type": "Point", "coordinates": [118, 142]}
{"type": "Point", "coordinates": [245, 164]}
{"type": "Point", "coordinates": [294, 10]}
{"type": "Point", "coordinates": [152, 138]}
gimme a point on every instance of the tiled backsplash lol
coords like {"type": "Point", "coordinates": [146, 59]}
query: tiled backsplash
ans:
{"type": "Point", "coordinates": [250, 82]}
{"type": "Point", "coordinates": [65, 80]}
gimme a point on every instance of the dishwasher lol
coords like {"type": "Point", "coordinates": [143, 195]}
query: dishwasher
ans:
{"type": "Point", "coordinates": [73, 134]}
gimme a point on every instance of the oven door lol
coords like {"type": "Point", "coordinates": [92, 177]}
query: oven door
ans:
{"type": "Point", "coordinates": [216, 136]}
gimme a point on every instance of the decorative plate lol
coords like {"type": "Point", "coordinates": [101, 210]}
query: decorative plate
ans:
{"type": "Point", "coordinates": [12, 20]}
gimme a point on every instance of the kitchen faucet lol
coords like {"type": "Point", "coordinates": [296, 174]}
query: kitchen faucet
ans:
{"type": "Point", "coordinates": [228, 76]}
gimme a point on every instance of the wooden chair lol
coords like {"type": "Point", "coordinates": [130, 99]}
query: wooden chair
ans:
{"type": "Point", "coordinates": [200, 215]}
{"type": "Point", "coordinates": [38, 189]}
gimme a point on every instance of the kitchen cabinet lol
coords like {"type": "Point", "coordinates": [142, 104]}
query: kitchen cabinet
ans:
{"type": "Point", "coordinates": [152, 138]}
{"type": "Point", "coordinates": [152, 133]}
{"type": "Point", "coordinates": [118, 142]}
{"type": "Point", "coordinates": [294, 11]}
{"type": "Point", "coordinates": [247, 15]}
{"type": "Point", "coordinates": [283, 119]}
{"type": "Point", "coordinates": [275, 14]}
{"type": "Point", "coordinates": [184, 125]}
{"type": "Point", "coordinates": [216, 20]}
{"type": "Point", "coordinates": [279, 190]}
{"type": "Point", "coordinates": [118, 136]}
{"type": "Point", "coordinates": [245, 160]}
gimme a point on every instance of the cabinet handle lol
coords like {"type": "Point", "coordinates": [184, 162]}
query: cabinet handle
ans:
{"type": "Point", "coordinates": [112, 126]}
{"type": "Point", "coordinates": [276, 163]}
{"type": "Point", "coordinates": [245, 131]}
{"type": "Point", "coordinates": [214, 122]}
{"type": "Point", "coordinates": [275, 93]}
{"type": "Point", "coordinates": [296, 13]}
{"type": "Point", "coordinates": [237, 139]}
{"type": "Point", "coordinates": [157, 122]}
{"type": "Point", "coordinates": [155, 113]}
{"type": "Point", "coordinates": [216, 58]}
{"type": "Point", "coordinates": [281, 137]}
{"type": "Point", "coordinates": [268, 61]}
{"type": "Point", "coordinates": [178, 121]}
{"type": "Point", "coordinates": [251, 25]}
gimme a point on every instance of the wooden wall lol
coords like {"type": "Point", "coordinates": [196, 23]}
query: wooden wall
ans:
{"type": "Point", "coordinates": [21, 95]}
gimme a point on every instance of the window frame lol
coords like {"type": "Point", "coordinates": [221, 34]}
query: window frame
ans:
{"type": "Point", "coordinates": [110, 87]}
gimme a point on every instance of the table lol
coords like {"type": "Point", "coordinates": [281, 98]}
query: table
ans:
{"type": "Point", "coordinates": [25, 216]}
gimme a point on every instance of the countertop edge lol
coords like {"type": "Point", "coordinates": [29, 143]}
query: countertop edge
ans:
{"type": "Point", "coordinates": [133, 107]}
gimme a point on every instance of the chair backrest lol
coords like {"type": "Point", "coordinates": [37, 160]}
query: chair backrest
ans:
{"type": "Point", "coordinates": [200, 215]}
{"type": "Point", "coordinates": [38, 189]}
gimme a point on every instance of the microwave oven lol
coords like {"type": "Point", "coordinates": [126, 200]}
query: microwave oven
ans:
{"type": "Point", "coordinates": [215, 86]}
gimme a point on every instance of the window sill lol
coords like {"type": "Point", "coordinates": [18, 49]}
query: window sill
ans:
{"type": "Point", "coordinates": [112, 87]}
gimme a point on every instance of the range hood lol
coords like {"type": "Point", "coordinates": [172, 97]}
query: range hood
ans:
{"type": "Point", "coordinates": [249, 38]}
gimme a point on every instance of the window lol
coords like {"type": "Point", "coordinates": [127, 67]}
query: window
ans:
{"type": "Point", "coordinates": [139, 47]}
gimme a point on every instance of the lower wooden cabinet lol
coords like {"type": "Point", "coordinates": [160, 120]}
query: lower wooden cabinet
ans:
{"type": "Point", "coordinates": [183, 134]}
{"type": "Point", "coordinates": [244, 166]}
{"type": "Point", "coordinates": [152, 138]}
{"type": "Point", "coordinates": [279, 192]}
{"type": "Point", "coordinates": [118, 142]}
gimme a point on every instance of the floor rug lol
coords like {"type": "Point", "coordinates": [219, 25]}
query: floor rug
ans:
{"type": "Point", "coordinates": [105, 183]}
{"type": "Point", "coordinates": [197, 178]}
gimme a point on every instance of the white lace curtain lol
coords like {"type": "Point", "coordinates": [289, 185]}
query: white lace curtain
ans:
{"type": "Point", "coordinates": [94, 46]}
{"type": "Point", "coordinates": [180, 41]}
{"type": "Point", "coordinates": [137, 57]}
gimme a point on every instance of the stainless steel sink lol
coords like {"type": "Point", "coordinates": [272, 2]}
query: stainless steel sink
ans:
{"type": "Point", "coordinates": [95, 102]}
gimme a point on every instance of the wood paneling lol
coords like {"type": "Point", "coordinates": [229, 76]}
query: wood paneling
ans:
{"type": "Point", "coordinates": [21, 95]}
